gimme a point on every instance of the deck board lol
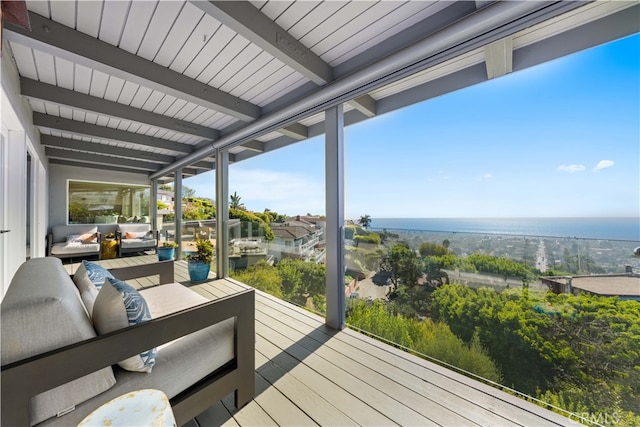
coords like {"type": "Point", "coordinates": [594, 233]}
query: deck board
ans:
{"type": "Point", "coordinates": [309, 374]}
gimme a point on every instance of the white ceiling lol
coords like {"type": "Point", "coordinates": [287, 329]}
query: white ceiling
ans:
{"type": "Point", "coordinates": [141, 84]}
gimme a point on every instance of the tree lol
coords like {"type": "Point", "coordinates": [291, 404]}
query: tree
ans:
{"type": "Point", "coordinates": [402, 263]}
{"type": "Point", "coordinates": [365, 221]}
{"type": "Point", "coordinates": [432, 249]}
{"type": "Point", "coordinates": [235, 201]}
{"type": "Point", "coordinates": [433, 272]}
{"type": "Point", "coordinates": [186, 191]}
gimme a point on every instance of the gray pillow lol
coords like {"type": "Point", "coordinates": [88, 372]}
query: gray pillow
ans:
{"type": "Point", "coordinates": [118, 306]}
{"type": "Point", "coordinates": [89, 279]}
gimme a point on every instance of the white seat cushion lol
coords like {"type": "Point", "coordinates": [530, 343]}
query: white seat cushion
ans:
{"type": "Point", "coordinates": [74, 248]}
{"type": "Point", "coordinates": [138, 243]}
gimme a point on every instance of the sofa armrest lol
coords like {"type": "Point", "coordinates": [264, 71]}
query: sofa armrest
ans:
{"type": "Point", "coordinates": [49, 244]}
{"type": "Point", "coordinates": [26, 378]}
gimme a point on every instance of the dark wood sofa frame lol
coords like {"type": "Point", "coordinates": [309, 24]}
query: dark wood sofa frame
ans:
{"type": "Point", "coordinates": [22, 380]}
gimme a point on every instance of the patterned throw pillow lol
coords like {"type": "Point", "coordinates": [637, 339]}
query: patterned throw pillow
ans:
{"type": "Point", "coordinates": [89, 279]}
{"type": "Point", "coordinates": [118, 306]}
{"type": "Point", "coordinates": [96, 273]}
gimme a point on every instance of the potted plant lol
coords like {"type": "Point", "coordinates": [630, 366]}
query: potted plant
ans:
{"type": "Point", "coordinates": [167, 251]}
{"type": "Point", "coordinates": [199, 262]}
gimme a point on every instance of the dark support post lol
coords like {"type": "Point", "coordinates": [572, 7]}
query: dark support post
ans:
{"type": "Point", "coordinates": [222, 213]}
{"type": "Point", "coordinates": [177, 203]}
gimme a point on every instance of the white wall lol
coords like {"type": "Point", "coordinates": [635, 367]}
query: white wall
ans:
{"type": "Point", "coordinates": [19, 137]}
{"type": "Point", "coordinates": [60, 174]}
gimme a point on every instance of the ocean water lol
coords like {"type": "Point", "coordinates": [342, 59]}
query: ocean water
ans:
{"type": "Point", "coordinates": [627, 229]}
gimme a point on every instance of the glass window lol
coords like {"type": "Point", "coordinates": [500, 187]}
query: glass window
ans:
{"type": "Point", "coordinates": [107, 203]}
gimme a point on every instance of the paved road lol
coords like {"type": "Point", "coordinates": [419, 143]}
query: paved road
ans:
{"type": "Point", "coordinates": [367, 289]}
{"type": "Point", "coordinates": [541, 262]}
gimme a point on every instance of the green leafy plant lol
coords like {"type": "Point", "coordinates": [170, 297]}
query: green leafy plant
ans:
{"type": "Point", "coordinates": [169, 245]}
{"type": "Point", "coordinates": [204, 252]}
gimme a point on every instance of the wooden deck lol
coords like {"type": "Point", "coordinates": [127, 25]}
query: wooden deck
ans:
{"type": "Point", "coordinates": [308, 374]}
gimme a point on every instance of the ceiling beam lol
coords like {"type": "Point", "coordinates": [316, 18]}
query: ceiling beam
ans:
{"type": "Point", "coordinates": [498, 57]}
{"type": "Point", "coordinates": [295, 130]}
{"type": "Point", "coordinates": [74, 144]}
{"type": "Point", "coordinates": [59, 40]}
{"type": "Point", "coordinates": [95, 131]}
{"type": "Point", "coordinates": [82, 164]}
{"type": "Point", "coordinates": [46, 92]}
{"type": "Point", "coordinates": [254, 145]}
{"type": "Point", "coordinates": [203, 165]}
{"type": "Point", "coordinates": [365, 104]}
{"type": "Point", "coordinates": [59, 153]}
{"type": "Point", "coordinates": [113, 168]}
{"type": "Point", "coordinates": [248, 21]}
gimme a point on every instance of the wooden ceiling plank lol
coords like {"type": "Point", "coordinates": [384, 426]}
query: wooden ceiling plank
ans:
{"type": "Point", "coordinates": [164, 17]}
{"type": "Point", "coordinates": [101, 131]}
{"type": "Point", "coordinates": [64, 73]}
{"type": "Point", "coordinates": [114, 16]}
{"type": "Point", "coordinates": [46, 67]}
{"type": "Point", "coordinates": [24, 60]}
{"type": "Point", "coordinates": [255, 26]}
{"type": "Point", "coordinates": [184, 26]}
{"type": "Point", "coordinates": [55, 38]}
{"type": "Point", "coordinates": [136, 23]}
{"type": "Point", "coordinates": [89, 17]}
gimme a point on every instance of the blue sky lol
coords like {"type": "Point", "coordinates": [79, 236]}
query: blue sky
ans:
{"type": "Point", "coordinates": [561, 139]}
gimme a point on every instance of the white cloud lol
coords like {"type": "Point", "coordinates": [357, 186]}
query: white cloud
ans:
{"type": "Point", "coordinates": [571, 168]}
{"type": "Point", "coordinates": [484, 177]}
{"type": "Point", "coordinates": [283, 192]}
{"type": "Point", "coordinates": [603, 164]}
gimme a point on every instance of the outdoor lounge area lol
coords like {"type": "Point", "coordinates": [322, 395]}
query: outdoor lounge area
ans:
{"type": "Point", "coordinates": [121, 98]}
{"type": "Point", "coordinates": [309, 374]}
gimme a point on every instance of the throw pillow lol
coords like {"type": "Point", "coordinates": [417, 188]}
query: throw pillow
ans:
{"type": "Point", "coordinates": [89, 279]}
{"type": "Point", "coordinates": [89, 238]}
{"type": "Point", "coordinates": [118, 306]}
{"type": "Point", "coordinates": [130, 235]}
{"type": "Point", "coordinates": [74, 238]}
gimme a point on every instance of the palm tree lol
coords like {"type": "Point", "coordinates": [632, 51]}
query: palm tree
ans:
{"type": "Point", "coordinates": [235, 201]}
{"type": "Point", "coordinates": [365, 221]}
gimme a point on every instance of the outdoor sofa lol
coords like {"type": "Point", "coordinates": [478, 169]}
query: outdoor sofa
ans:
{"type": "Point", "coordinates": [57, 369]}
{"type": "Point", "coordinates": [136, 238]}
{"type": "Point", "coordinates": [74, 241]}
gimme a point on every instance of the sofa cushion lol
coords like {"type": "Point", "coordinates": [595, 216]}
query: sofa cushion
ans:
{"type": "Point", "coordinates": [60, 232]}
{"type": "Point", "coordinates": [89, 278]}
{"type": "Point", "coordinates": [133, 228]}
{"type": "Point", "coordinates": [137, 243]}
{"type": "Point", "coordinates": [74, 248]}
{"type": "Point", "coordinates": [118, 306]}
{"type": "Point", "coordinates": [42, 311]}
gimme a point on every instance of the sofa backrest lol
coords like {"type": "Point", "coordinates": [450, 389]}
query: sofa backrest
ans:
{"type": "Point", "coordinates": [60, 232]}
{"type": "Point", "coordinates": [42, 311]}
{"type": "Point", "coordinates": [134, 228]}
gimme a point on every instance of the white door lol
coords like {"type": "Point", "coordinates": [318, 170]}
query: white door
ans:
{"type": "Point", "coordinates": [4, 279]}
